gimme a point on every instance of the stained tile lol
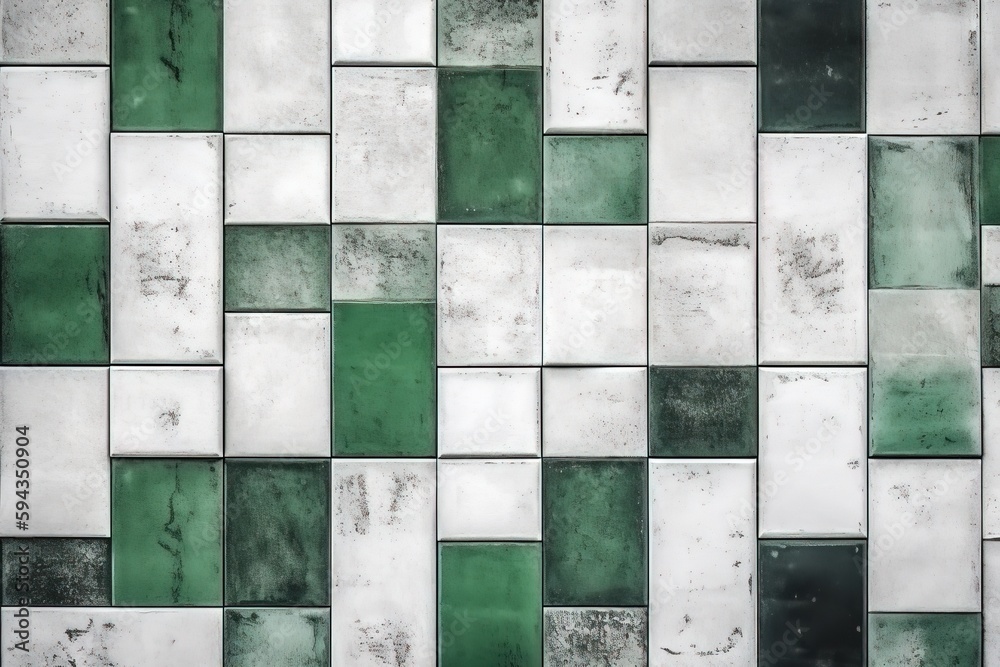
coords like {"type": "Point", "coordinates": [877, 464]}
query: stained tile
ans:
{"type": "Point", "coordinates": [592, 636]}
{"type": "Point", "coordinates": [277, 385]}
{"type": "Point", "coordinates": [990, 311]}
{"type": "Point", "coordinates": [65, 572]}
{"type": "Point", "coordinates": [384, 262]}
{"type": "Point", "coordinates": [990, 72]}
{"type": "Point", "coordinates": [811, 67]}
{"type": "Point", "coordinates": [384, 516]}
{"type": "Point", "coordinates": [598, 179]}
{"type": "Point", "coordinates": [277, 179]}
{"type": "Point", "coordinates": [594, 532]}
{"type": "Point", "coordinates": [924, 370]}
{"type": "Point", "coordinates": [54, 287]}
{"type": "Point", "coordinates": [479, 33]}
{"type": "Point", "coordinates": [812, 602]}
{"type": "Point", "coordinates": [989, 180]}
{"type": "Point", "coordinates": [594, 412]}
{"type": "Point", "coordinates": [383, 32]}
{"type": "Point", "coordinates": [53, 141]}
{"type": "Point", "coordinates": [489, 412]}
{"type": "Point", "coordinates": [714, 31]}
{"type": "Point", "coordinates": [990, 242]}
{"type": "Point", "coordinates": [924, 227]}
{"type": "Point", "coordinates": [277, 532]}
{"type": "Point", "coordinates": [291, 637]}
{"type": "Point", "coordinates": [489, 153]}
{"type": "Point", "coordinates": [64, 32]}
{"type": "Point", "coordinates": [490, 608]}
{"type": "Point", "coordinates": [277, 268]}
{"type": "Point", "coordinates": [384, 147]}
{"type": "Point", "coordinates": [166, 532]}
{"type": "Point", "coordinates": [898, 640]}
{"type": "Point", "coordinates": [166, 71]}
{"type": "Point", "coordinates": [698, 412]}
{"type": "Point", "coordinates": [489, 500]}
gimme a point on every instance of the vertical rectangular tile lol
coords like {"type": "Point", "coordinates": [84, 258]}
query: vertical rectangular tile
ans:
{"type": "Point", "coordinates": [990, 66]}
{"type": "Point", "coordinates": [813, 256]}
{"type": "Point", "coordinates": [711, 32]}
{"type": "Point", "coordinates": [63, 572]}
{"type": "Point", "coordinates": [384, 32]}
{"type": "Point", "coordinates": [924, 525]}
{"type": "Point", "coordinates": [991, 603]}
{"type": "Point", "coordinates": [63, 32]}
{"type": "Point", "coordinates": [703, 588]}
{"type": "Point", "coordinates": [54, 143]}
{"type": "Point", "coordinates": [702, 144]}
{"type": "Point", "coordinates": [166, 241]}
{"type": "Point", "coordinates": [991, 453]}
{"type": "Point", "coordinates": [384, 517]}
{"type": "Point", "coordinates": [989, 180]}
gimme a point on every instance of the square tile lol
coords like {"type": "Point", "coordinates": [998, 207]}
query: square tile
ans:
{"type": "Point", "coordinates": [54, 291]}
{"type": "Point", "coordinates": [259, 636]}
{"type": "Point", "coordinates": [489, 153]}
{"type": "Point", "coordinates": [933, 639]}
{"type": "Point", "coordinates": [594, 305]}
{"type": "Point", "coordinates": [595, 180]}
{"type": "Point", "coordinates": [277, 385]}
{"type": "Point", "coordinates": [489, 412]}
{"type": "Point", "coordinates": [277, 268]}
{"type": "Point", "coordinates": [63, 572]}
{"type": "Point", "coordinates": [591, 635]}
{"type": "Point", "coordinates": [394, 263]}
{"type": "Point", "coordinates": [489, 500]}
{"type": "Point", "coordinates": [383, 32]}
{"type": "Point", "coordinates": [710, 32]}
{"type": "Point", "coordinates": [480, 33]}
{"type": "Point", "coordinates": [64, 32]}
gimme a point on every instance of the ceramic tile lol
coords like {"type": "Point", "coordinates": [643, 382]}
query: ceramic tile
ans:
{"type": "Point", "coordinates": [489, 500]}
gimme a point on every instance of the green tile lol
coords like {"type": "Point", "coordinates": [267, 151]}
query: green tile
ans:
{"type": "Point", "coordinates": [696, 412]}
{"type": "Point", "coordinates": [61, 572]}
{"type": "Point", "coordinates": [913, 640]}
{"type": "Point", "coordinates": [489, 145]}
{"type": "Point", "coordinates": [384, 379]}
{"type": "Point", "coordinates": [166, 65]}
{"type": "Point", "coordinates": [490, 601]}
{"type": "Point", "coordinates": [166, 532]}
{"type": "Point", "coordinates": [384, 262]}
{"type": "Point", "coordinates": [594, 531]}
{"type": "Point", "coordinates": [486, 33]}
{"type": "Point", "coordinates": [599, 179]}
{"type": "Point", "coordinates": [923, 213]}
{"type": "Point", "coordinates": [989, 179]}
{"type": "Point", "coordinates": [990, 312]}
{"type": "Point", "coordinates": [54, 282]}
{"type": "Point", "coordinates": [811, 63]}
{"type": "Point", "coordinates": [277, 267]}
{"type": "Point", "coordinates": [277, 637]}
{"type": "Point", "coordinates": [277, 532]}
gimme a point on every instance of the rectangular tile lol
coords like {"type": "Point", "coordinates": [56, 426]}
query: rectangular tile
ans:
{"type": "Point", "coordinates": [388, 263]}
{"type": "Point", "coordinates": [492, 499]}
{"type": "Point", "coordinates": [991, 603]}
{"type": "Point", "coordinates": [591, 635]}
{"type": "Point", "coordinates": [64, 572]}
{"type": "Point", "coordinates": [989, 180]}
{"type": "Point", "coordinates": [276, 637]}
{"type": "Point", "coordinates": [710, 32]}
{"type": "Point", "coordinates": [490, 412]}
{"type": "Point", "coordinates": [939, 639]}
{"type": "Point", "coordinates": [384, 32]}
{"type": "Point", "coordinates": [991, 453]}
{"type": "Point", "coordinates": [479, 33]}
{"type": "Point", "coordinates": [990, 66]}
{"type": "Point", "coordinates": [595, 179]}
{"type": "Point", "coordinates": [61, 32]}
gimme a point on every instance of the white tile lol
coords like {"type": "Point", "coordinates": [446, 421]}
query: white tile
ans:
{"type": "Point", "coordinates": [490, 500]}
{"type": "Point", "coordinates": [702, 295]}
{"type": "Point", "coordinates": [166, 248]}
{"type": "Point", "coordinates": [702, 144]}
{"type": "Point", "coordinates": [990, 238]}
{"type": "Point", "coordinates": [813, 249]}
{"type": "Point", "coordinates": [924, 526]}
{"type": "Point", "coordinates": [594, 295]}
{"type": "Point", "coordinates": [65, 411]}
{"type": "Point", "coordinates": [277, 385]}
{"type": "Point", "coordinates": [489, 296]}
{"type": "Point", "coordinates": [277, 179]}
{"type": "Point", "coordinates": [595, 66]}
{"type": "Point", "coordinates": [160, 411]}
{"type": "Point", "coordinates": [711, 31]}
{"type": "Point", "coordinates": [489, 412]}
{"type": "Point", "coordinates": [384, 262]}
{"type": "Point", "coordinates": [991, 454]}
{"type": "Point", "coordinates": [384, 563]}
{"type": "Point", "coordinates": [923, 67]}
{"type": "Point", "coordinates": [106, 636]}
{"type": "Point", "coordinates": [54, 126]}
{"type": "Point", "coordinates": [702, 562]}
{"type": "Point", "coordinates": [385, 150]}
{"type": "Point", "coordinates": [990, 75]}
{"type": "Point", "coordinates": [594, 412]}
{"type": "Point", "coordinates": [276, 79]}
{"type": "Point", "coordinates": [813, 452]}
{"type": "Point", "coordinates": [388, 32]}
{"type": "Point", "coordinates": [991, 604]}
{"type": "Point", "coordinates": [50, 32]}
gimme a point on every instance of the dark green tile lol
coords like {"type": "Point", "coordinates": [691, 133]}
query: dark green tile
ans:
{"type": "Point", "coordinates": [166, 65]}
{"type": "Point", "coordinates": [989, 180]}
{"type": "Point", "coordinates": [490, 611]}
{"type": "Point", "coordinates": [279, 637]}
{"type": "Point", "coordinates": [594, 531]}
{"type": "Point", "coordinates": [922, 212]}
{"type": "Point", "coordinates": [812, 603]}
{"type": "Point", "coordinates": [54, 280]}
{"type": "Point", "coordinates": [384, 379]}
{"type": "Point", "coordinates": [598, 179]}
{"type": "Point", "coordinates": [62, 572]}
{"type": "Point", "coordinates": [811, 65]}
{"type": "Point", "coordinates": [489, 145]}
{"type": "Point", "coordinates": [695, 412]}
{"type": "Point", "coordinates": [990, 331]}
{"type": "Point", "coordinates": [948, 640]}
{"type": "Point", "coordinates": [277, 532]}
{"type": "Point", "coordinates": [277, 267]}
{"type": "Point", "coordinates": [166, 532]}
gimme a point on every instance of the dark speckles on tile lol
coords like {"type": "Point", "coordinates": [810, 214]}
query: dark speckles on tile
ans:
{"type": "Point", "coordinates": [383, 262]}
{"type": "Point", "coordinates": [486, 33]}
{"type": "Point", "coordinates": [925, 640]}
{"type": "Point", "coordinates": [277, 637]}
{"type": "Point", "coordinates": [596, 637]}
{"type": "Point", "coordinates": [57, 571]}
